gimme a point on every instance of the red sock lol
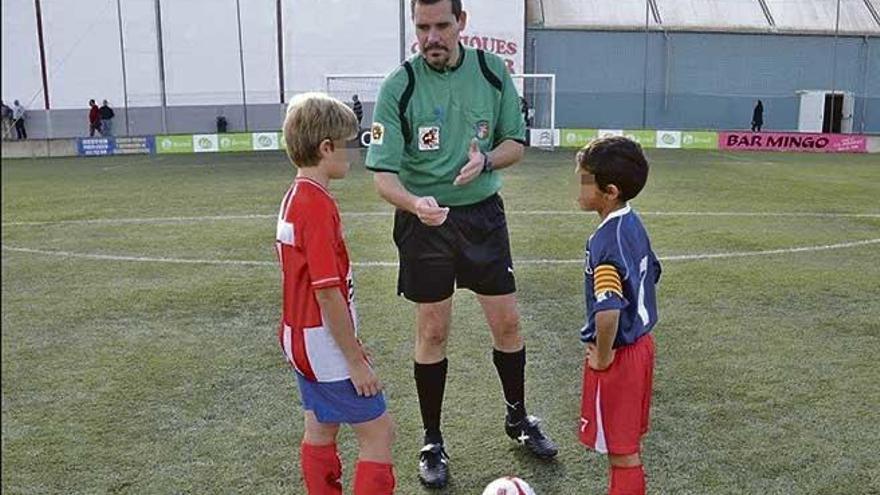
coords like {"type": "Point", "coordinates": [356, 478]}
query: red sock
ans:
{"type": "Point", "coordinates": [627, 480]}
{"type": "Point", "coordinates": [373, 478]}
{"type": "Point", "coordinates": [321, 468]}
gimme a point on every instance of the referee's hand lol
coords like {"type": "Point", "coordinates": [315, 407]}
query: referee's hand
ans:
{"type": "Point", "coordinates": [429, 212]}
{"type": "Point", "coordinates": [473, 167]}
{"type": "Point", "coordinates": [365, 381]}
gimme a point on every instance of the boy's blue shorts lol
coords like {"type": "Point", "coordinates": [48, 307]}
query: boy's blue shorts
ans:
{"type": "Point", "coordinates": [338, 402]}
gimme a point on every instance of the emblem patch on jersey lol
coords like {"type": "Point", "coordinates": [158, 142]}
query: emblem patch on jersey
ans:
{"type": "Point", "coordinates": [587, 269]}
{"type": "Point", "coordinates": [606, 281]}
{"type": "Point", "coordinates": [481, 129]}
{"type": "Point", "coordinates": [429, 138]}
{"type": "Point", "coordinates": [377, 133]}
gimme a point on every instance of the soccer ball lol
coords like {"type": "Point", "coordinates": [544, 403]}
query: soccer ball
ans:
{"type": "Point", "coordinates": [508, 485]}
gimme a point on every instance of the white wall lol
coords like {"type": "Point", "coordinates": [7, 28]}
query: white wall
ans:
{"type": "Point", "coordinates": [338, 37]}
{"type": "Point", "coordinates": [259, 40]}
{"type": "Point", "coordinates": [201, 51]}
{"type": "Point", "coordinates": [821, 16]}
{"type": "Point", "coordinates": [82, 52]}
{"type": "Point", "coordinates": [21, 55]}
{"type": "Point", "coordinates": [200, 39]}
{"type": "Point", "coordinates": [141, 53]}
{"type": "Point", "coordinates": [713, 14]}
{"type": "Point", "coordinates": [578, 14]}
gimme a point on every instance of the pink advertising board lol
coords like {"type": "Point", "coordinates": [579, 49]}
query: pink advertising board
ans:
{"type": "Point", "coordinates": [793, 141]}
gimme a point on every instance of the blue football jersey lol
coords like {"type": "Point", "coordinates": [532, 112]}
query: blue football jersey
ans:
{"type": "Point", "coordinates": [621, 272]}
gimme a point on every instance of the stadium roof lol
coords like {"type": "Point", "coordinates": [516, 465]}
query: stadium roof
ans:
{"type": "Point", "coordinates": [857, 17]}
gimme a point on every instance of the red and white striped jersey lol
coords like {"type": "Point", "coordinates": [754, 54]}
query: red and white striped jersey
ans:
{"type": "Point", "coordinates": [312, 254]}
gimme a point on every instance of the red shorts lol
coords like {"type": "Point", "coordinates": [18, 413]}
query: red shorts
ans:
{"type": "Point", "coordinates": [616, 402]}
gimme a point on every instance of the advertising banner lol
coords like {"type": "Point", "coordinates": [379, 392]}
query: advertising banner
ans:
{"type": "Point", "coordinates": [793, 141]}
{"type": "Point", "coordinates": [669, 139]}
{"type": "Point", "coordinates": [94, 146]}
{"type": "Point", "coordinates": [648, 139]}
{"type": "Point", "coordinates": [236, 142]}
{"type": "Point", "coordinates": [265, 141]}
{"type": "Point", "coordinates": [174, 144]}
{"type": "Point", "coordinates": [205, 143]}
{"type": "Point", "coordinates": [544, 138]}
{"type": "Point", "coordinates": [577, 138]}
{"type": "Point", "coordinates": [699, 140]}
{"type": "Point", "coordinates": [135, 145]}
{"type": "Point", "coordinates": [609, 132]}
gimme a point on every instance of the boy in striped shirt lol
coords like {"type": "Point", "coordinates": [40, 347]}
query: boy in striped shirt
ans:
{"type": "Point", "coordinates": [318, 332]}
{"type": "Point", "coordinates": [620, 275]}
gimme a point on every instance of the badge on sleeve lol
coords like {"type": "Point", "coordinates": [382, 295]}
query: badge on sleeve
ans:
{"type": "Point", "coordinates": [429, 138]}
{"type": "Point", "coordinates": [377, 132]}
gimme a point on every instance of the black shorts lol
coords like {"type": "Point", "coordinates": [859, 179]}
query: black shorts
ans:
{"type": "Point", "coordinates": [470, 250]}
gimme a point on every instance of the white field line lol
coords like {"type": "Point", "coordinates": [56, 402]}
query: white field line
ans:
{"type": "Point", "coordinates": [367, 264]}
{"type": "Point", "coordinates": [388, 213]}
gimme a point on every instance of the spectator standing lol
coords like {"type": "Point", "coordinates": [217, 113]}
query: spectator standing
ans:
{"type": "Point", "coordinates": [18, 114]}
{"type": "Point", "coordinates": [94, 118]}
{"type": "Point", "coordinates": [527, 111]}
{"type": "Point", "coordinates": [758, 117]}
{"type": "Point", "coordinates": [106, 114]}
{"type": "Point", "coordinates": [358, 109]}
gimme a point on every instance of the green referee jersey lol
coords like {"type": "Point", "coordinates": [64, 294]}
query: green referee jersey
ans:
{"type": "Point", "coordinates": [425, 120]}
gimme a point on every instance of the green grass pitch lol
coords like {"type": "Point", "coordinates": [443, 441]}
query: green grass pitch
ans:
{"type": "Point", "coordinates": [128, 366]}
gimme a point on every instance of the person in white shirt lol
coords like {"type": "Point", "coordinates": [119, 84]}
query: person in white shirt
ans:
{"type": "Point", "coordinates": [18, 113]}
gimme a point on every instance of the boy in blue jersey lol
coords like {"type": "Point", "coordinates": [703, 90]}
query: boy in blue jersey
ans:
{"type": "Point", "coordinates": [621, 272]}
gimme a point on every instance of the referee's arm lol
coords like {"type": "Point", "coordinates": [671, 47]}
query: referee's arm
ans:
{"type": "Point", "coordinates": [506, 154]}
{"type": "Point", "coordinates": [426, 208]}
{"type": "Point", "coordinates": [510, 130]}
{"type": "Point", "coordinates": [388, 186]}
{"type": "Point", "coordinates": [386, 154]}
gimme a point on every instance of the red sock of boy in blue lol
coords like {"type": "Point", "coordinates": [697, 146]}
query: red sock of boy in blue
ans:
{"type": "Point", "coordinates": [321, 468]}
{"type": "Point", "coordinates": [627, 480]}
{"type": "Point", "coordinates": [373, 478]}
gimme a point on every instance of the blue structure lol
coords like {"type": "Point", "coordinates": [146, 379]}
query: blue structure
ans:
{"type": "Point", "coordinates": [700, 80]}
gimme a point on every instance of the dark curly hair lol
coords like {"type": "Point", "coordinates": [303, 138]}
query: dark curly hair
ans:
{"type": "Point", "coordinates": [615, 160]}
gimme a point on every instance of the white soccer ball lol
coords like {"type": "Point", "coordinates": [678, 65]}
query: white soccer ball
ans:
{"type": "Point", "coordinates": [508, 485]}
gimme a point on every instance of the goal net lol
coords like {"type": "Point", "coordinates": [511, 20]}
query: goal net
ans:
{"type": "Point", "coordinates": [537, 100]}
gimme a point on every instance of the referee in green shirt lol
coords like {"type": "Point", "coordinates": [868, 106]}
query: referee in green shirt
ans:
{"type": "Point", "coordinates": [445, 122]}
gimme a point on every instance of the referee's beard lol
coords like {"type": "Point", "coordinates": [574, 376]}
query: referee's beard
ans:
{"type": "Point", "coordinates": [440, 57]}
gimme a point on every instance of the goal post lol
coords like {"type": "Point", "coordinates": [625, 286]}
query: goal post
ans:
{"type": "Point", "coordinates": [538, 91]}
{"type": "Point", "coordinates": [344, 86]}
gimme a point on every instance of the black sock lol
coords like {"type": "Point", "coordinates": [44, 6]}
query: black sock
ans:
{"type": "Point", "coordinates": [511, 369]}
{"type": "Point", "coordinates": [430, 385]}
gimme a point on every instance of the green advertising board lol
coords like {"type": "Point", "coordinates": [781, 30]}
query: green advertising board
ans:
{"type": "Point", "coordinates": [706, 140]}
{"type": "Point", "coordinates": [174, 144]}
{"type": "Point", "coordinates": [236, 142]}
{"type": "Point", "coordinates": [648, 139]}
{"type": "Point", "coordinates": [699, 140]}
{"type": "Point", "coordinates": [576, 138]}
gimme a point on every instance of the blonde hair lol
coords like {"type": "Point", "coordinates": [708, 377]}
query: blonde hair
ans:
{"type": "Point", "coordinates": [312, 118]}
